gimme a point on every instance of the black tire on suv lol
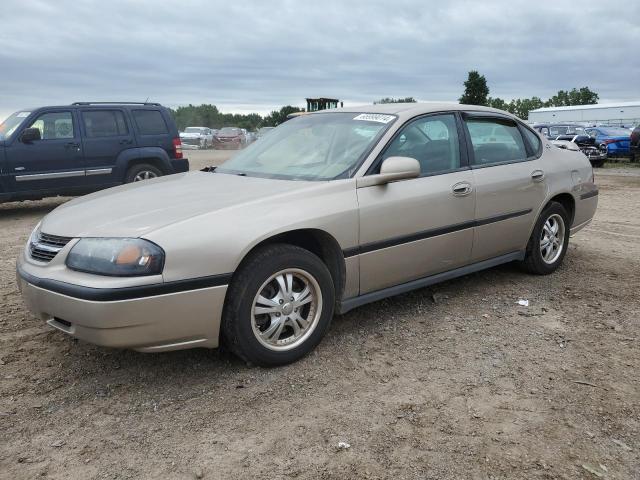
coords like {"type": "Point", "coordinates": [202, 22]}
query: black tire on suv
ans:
{"type": "Point", "coordinates": [142, 171]}
{"type": "Point", "coordinates": [279, 305]}
{"type": "Point", "coordinates": [549, 241]}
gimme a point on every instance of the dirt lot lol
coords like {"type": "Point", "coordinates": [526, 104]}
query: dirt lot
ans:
{"type": "Point", "coordinates": [456, 381]}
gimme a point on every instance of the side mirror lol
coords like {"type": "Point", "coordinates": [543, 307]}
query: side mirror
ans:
{"type": "Point", "coordinates": [29, 135]}
{"type": "Point", "coordinates": [392, 170]}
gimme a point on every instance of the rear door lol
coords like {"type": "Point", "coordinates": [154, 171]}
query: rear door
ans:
{"type": "Point", "coordinates": [509, 180]}
{"type": "Point", "coordinates": [105, 134]}
{"type": "Point", "coordinates": [415, 228]}
{"type": "Point", "coordinates": [55, 162]}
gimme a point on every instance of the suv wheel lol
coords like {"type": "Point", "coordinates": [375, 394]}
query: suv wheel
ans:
{"type": "Point", "coordinates": [549, 241]}
{"type": "Point", "coordinates": [279, 305]}
{"type": "Point", "coordinates": [143, 171]}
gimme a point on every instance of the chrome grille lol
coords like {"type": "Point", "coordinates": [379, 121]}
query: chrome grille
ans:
{"type": "Point", "coordinates": [43, 247]}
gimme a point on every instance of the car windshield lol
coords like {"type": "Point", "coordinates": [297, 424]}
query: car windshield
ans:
{"type": "Point", "coordinates": [566, 130]}
{"type": "Point", "coordinates": [193, 130]}
{"type": "Point", "coordinates": [617, 132]}
{"type": "Point", "coordinates": [12, 123]}
{"type": "Point", "coordinates": [312, 147]}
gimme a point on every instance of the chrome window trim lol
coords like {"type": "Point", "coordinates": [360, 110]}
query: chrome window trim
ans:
{"type": "Point", "coordinates": [47, 176]}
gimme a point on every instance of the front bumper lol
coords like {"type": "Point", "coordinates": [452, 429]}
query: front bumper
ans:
{"type": "Point", "coordinates": [149, 323]}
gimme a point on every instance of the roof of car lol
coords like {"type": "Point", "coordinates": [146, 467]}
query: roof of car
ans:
{"type": "Point", "coordinates": [411, 109]}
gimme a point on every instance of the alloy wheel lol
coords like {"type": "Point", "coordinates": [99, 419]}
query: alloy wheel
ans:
{"type": "Point", "coordinates": [552, 238]}
{"type": "Point", "coordinates": [144, 175]}
{"type": "Point", "coordinates": [286, 309]}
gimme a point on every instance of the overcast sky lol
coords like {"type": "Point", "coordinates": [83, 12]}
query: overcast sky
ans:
{"type": "Point", "coordinates": [255, 55]}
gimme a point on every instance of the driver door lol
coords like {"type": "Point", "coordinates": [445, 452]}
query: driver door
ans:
{"type": "Point", "coordinates": [51, 163]}
{"type": "Point", "coordinates": [420, 227]}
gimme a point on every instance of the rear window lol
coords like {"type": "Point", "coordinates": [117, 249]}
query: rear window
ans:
{"type": "Point", "coordinates": [104, 123]}
{"type": "Point", "coordinates": [615, 132]}
{"type": "Point", "coordinates": [533, 139]}
{"type": "Point", "coordinates": [150, 122]}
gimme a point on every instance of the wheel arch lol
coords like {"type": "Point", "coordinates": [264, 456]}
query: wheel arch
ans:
{"type": "Point", "coordinates": [567, 201]}
{"type": "Point", "coordinates": [155, 156]}
{"type": "Point", "coordinates": [317, 241]}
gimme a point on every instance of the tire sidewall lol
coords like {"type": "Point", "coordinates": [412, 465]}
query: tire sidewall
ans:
{"type": "Point", "coordinates": [133, 171]}
{"type": "Point", "coordinates": [534, 248]}
{"type": "Point", "coordinates": [238, 311]}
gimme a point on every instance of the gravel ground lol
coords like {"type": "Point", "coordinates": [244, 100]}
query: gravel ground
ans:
{"type": "Point", "coordinates": [455, 381]}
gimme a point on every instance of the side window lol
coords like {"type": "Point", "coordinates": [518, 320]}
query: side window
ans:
{"type": "Point", "coordinates": [104, 123]}
{"type": "Point", "coordinates": [54, 125]}
{"type": "Point", "coordinates": [533, 139]}
{"type": "Point", "coordinates": [432, 140]}
{"type": "Point", "coordinates": [150, 122]}
{"type": "Point", "coordinates": [495, 141]}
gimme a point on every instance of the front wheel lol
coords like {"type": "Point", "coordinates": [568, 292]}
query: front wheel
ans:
{"type": "Point", "coordinates": [549, 241]}
{"type": "Point", "coordinates": [279, 305]}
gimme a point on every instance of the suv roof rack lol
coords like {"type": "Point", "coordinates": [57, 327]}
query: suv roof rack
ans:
{"type": "Point", "coordinates": [117, 103]}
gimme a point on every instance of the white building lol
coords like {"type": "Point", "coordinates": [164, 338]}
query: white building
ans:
{"type": "Point", "coordinates": [626, 114]}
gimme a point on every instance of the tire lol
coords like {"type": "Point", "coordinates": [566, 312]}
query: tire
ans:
{"type": "Point", "coordinates": [142, 171]}
{"type": "Point", "coordinates": [597, 163]}
{"type": "Point", "coordinates": [248, 335]}
{"type": "Point", "coordinates": [534, 261]}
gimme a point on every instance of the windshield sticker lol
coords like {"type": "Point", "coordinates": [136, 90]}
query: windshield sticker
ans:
{"type": "Point", "coordinates": [375, 117]}
{"type": "Point", "coordinates": [23, 114]}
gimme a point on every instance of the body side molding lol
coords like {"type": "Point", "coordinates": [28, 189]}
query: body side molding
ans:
{"type": "Point", "coordinates": [351, 303]}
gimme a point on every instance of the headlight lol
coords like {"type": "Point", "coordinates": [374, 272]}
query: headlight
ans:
{"type": "Point", "coordinates": [119, 257]}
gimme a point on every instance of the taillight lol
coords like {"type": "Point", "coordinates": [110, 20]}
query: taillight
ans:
{"type": "Point", "coordinates": [177, 148]}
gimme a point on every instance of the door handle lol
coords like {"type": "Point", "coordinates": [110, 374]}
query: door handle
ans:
{"type": "Point", "coordinates": [462, 189]}
{"type": "Point", "coordinates": [537, 175]}
{"type": "Point", "coordinates": [72, 145]}
{"type": "Point", "coordinates": [125, 142]}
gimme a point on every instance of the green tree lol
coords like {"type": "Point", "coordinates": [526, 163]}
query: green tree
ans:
{"type": "Point", "coordinates": [476, 90]}
{"type": "Point", "coordinates": [395, 100]}
{"type": "Point", "coordinates": [497, 103]}
{"type": "Point", "coordinates": [277, 117]}
{"type": "Point", "coordinates": [582, 96]}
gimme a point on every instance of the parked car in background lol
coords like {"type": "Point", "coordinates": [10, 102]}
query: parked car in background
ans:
{"type": "Point", "coordinates": [229, 138]}
{"type": "Point", "coordinates": [634, 145]}
{"type": "Point", "coordinates": [330, 211]}
{"type": "Point", "coordinates": [84, 147]}
{"type": "Point", "coordinates": [251, 137]}
{"type": "Point", "coordinates": [616, 139]}
{"type": "Point", "coordinates": [263, 131]}
{"type": "Point", "coordinates": [198, 137]}
{"type": "Point", "coordinates": [574, 137]}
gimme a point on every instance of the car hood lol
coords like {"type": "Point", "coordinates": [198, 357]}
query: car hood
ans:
{"type": "Point", "coordinates": [137, 209]}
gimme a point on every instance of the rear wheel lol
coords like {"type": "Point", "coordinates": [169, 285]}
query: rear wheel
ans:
{"type": "Point", "coordinates": [549, 241]}
{"type": "Point", "coordinates": [279, 305]}
{"type": "Point", "coordinates": [142, 171]}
